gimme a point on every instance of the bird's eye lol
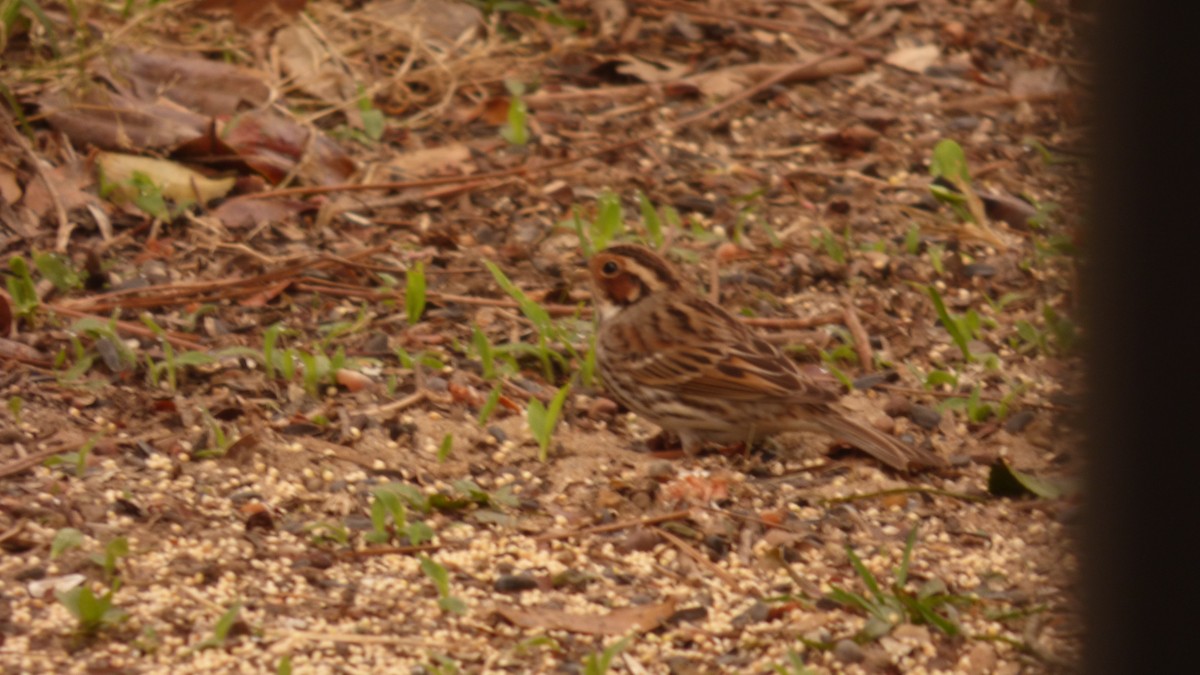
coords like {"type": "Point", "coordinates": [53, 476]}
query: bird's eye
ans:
{"type": "Point", "coordinates": [610, 268]}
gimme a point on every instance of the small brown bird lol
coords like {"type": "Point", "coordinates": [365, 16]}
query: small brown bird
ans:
{"type": "Point", "coordinates": [692, 368]}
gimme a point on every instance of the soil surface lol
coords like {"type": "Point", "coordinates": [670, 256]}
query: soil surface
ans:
{"type": "Point", "coordinates": [298, 424]}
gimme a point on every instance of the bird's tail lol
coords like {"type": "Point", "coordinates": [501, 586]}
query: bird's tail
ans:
{"type": "Point", "coordinates": [881, 446]}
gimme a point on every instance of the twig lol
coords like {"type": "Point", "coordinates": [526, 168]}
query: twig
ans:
{"type": "Point", "coordinates": [862, 342]}
{"type": "Point", "coordinates": [25, 463]}
{"type": "Point", "coordinates": [660, 8]}
{"type": "Point", "coordinates": [358, 639]}
{"type": "Point", "coordinates": [132, 328]}
{"type": "Point", "coordinates": [613, 527]}
{"type": "Point", "coordinates": [691, 552]}
{"type": "Point", "coordinates": [408, 401]}
{"type": "Point", "coordinates": [1060, 60]}
{"type": "Point", "coordinates": [904, 491]}
{"type": "Point", "coordinates": [391, 550]}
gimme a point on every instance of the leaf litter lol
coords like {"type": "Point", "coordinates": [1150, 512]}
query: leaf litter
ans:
{"type": "Point", "coordinates": [230, 388]}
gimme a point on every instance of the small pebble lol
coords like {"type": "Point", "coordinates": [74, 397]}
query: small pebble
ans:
{"type": "Point", "coordinates": [847, 651]}
{"type": "Point", "coordinates": [924, 416]}
{"type": "Point", "coordinates": [515, 583]}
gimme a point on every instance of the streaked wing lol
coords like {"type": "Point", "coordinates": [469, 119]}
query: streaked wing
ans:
{"type": "Point", "coordinates": [698, 349]}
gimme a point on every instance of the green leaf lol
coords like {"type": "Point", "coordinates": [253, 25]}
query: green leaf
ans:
{"type": "Point", "coordinates": [64, 540]}
{"type": "Point", "coordinates": [949, 322]}
{"type": "Point", "coordinates": [20, 287]}
{"type": "Point", "coordinates": [651, 220]}
{"type": "Point", "coordinates": [437, 573]}
{"type": "Point", "coordinates": [221, 630]}
{"type": "Point", "coordinates": [949, 162]}
{"type": "Point", "coordinates": [536, 314]}
{"type": "Point", "coordinates": [54, 268]}
{"type": "Point", "coordinates": [445, 448]}
{"type": "Point", "coordinates": [374, 123]}
{"type": "Point", "coordinates": [489, 406]}
{"type": "Point", "coordinates": [414, 293]}
{"type": "Point", "coordinates": [517, 130]}
{"type": "Point", "coordinates": [608, 223]}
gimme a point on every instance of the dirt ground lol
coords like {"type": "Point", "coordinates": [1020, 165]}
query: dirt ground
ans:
{"type": "Point", "coordinates": [286, 428]}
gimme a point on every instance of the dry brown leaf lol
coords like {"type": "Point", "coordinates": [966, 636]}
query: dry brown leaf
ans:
{"type": "Point", "coordinates": [116, 121]}
{"type": "Point", "coordinates": [831, 14]}
{"type": "Point", "coordinates": [312, 67]}
{"type": "Point", "coordinates": [651, 72]}
{"type": "Point", "coordinates": [440, 24]}
{"type": "Point", "coordinates": [71, 181]}
{"type": "Point", "coordinates": [18, 351]}
{"type": "Point", "coordinates": [248, 212]}
{"type": "Point", "coordinates": [617, 622]}
{"type": "Point", "coordinates": [255, 13]}
{"type": "Point", "coordinates": [729, 81]}
{"type": "Point", "coordinates": [915, 58]}
{"type": "Point", "coordinates": [613, 15]}
{"type": "Point", "coordinates": [272, 144]}
{"type": "Point", "coordinates": [1039, 82]}
{"type": "Point", "coordinates": [453, 159]}
{"type": "Point", "coordinates": [201, 85]}
{"type": "Point", "coordinates": [10, 187]}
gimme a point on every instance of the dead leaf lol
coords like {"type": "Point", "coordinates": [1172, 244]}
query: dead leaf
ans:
{"type": "Point", "coordinates": [71, 181]}
{"type": "Point", "coordinates": [11, 350]}
{"type": "Point", "coordinates": [177, 182]}
{"type": "Point", "coordinates": [248, 212]}
{"type": "Point", "coordinates": [10, 188]}
{"type": "Point", "coordinates": [201, 85]}
{"type": "Point", "coordinates": [915, 58]}
{"type": "Point", "coordinates": [729, 81]}
{"type": "Point", "coordinates": [613, 15]}
{"type": "Point", "coordinates": [117, 121]}
{"type": "Point", "coordinates": [830, 14]}
{"type": "Point", "coordinates": [453, 159]}
{"type": "Point", "coordinates": [617, 622]}
{"type": "Point", "coordinates": [440, 24]}
{"type": "Point", "coordinates": [352, 380]}
{"type": "Point", "coordinates": [272, 144]}
{"type": "Point", "coordinates": [255, 13]}
{"type": "Point", "coordinates": [1039, 82]}
{"type": "Point", "coordinates": [650, 72]}
{"type": "Point", "coordinates": [311, 65]}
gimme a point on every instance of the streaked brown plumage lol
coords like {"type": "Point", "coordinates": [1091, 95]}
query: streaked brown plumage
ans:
{"type": "Point", "coordinates": [690, 367]}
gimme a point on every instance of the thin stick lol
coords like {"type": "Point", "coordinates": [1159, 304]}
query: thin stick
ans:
{"type": "Point", "coordinates": [904, 491]}
{"type": "Point", "coordinates": [691, 552]}
{"type": "Point", "coordinates": [862, 342]}
{"type": "Point", "coordinates": [132, 328]}
{"type": "Point", "coordinates": [613, 527]}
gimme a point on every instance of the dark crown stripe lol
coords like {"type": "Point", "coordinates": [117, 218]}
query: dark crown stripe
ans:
{"type": "Point", "coordinates": [648, 261]}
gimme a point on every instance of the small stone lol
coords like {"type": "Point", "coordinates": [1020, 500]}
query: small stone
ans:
{"type": "Point", "coordinates": [661, 470]}
{"type": "Point", "coordinates": [848, 651]}
{"type": "Point", "coordinates": [497, 433]}
{"type": "Point", "coordinates": [870, 381]}
{"type": "Point", "coordinates": [757, 613]}
{"type": "Point", "coordinates": [509, 583]}
{"type": "Point", "coordinates": [925, 416]}
{"type": "Point", "coordinates": [1017, 423]}
{"type": "Point", "coordinates": [983, 270]}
